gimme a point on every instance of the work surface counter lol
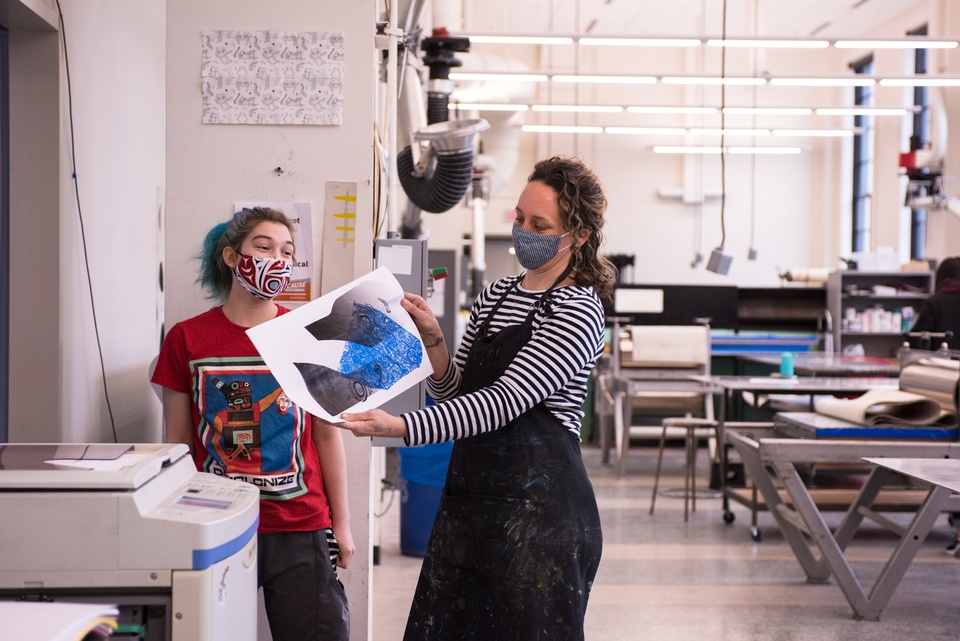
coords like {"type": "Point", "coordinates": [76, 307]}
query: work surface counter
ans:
{"type": "Point", "coordinates": [776, 467]}
{"type": "Point", "coordinates": [818, 426]}
{"type": "Point", "coordinates": [824, 364]}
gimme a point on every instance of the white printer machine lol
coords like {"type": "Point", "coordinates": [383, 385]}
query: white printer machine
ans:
{"type": "Point", "coordinates": [132, 525]}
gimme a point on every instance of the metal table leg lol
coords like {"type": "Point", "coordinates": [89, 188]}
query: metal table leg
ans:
{"type": "Point", "coordinates": [749, 451]}
{"type": "Point", "coordinates": [832, 545]}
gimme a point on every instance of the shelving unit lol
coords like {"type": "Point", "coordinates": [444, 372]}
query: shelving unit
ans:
{"type": "Point", "coordinates": [852, 292]}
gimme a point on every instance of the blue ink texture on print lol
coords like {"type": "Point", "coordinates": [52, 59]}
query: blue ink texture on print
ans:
{"type": "Point", "coordinates": [379, 352]}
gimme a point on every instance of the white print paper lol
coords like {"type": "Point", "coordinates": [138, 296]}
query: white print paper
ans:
{"type": "Point", "coordinates": [299, 289]}
{"type": "Point", "coordinates": [272, 77]}
{"type": "Point", "coordinates": [348, 351]}
{"type": "Point", "coordinates": [888, 407]}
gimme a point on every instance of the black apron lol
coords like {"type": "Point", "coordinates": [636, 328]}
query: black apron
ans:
{"type": "Point", "coordinates": [516, 542]}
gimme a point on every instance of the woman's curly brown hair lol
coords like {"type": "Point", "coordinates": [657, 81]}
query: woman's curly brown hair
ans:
{"type": "Point", "coordinates": [582, 205]}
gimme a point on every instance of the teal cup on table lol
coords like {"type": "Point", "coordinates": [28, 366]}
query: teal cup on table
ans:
{"type": "Point", "coordinates": [786, 364]}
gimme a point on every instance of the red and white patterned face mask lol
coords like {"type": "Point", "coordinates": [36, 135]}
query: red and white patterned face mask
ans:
{"type": "Point", "coordinates": [262, 276]}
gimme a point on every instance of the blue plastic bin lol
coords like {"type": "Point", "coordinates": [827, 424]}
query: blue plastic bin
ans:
{"type": "Point", "coordinates": [423, 471]}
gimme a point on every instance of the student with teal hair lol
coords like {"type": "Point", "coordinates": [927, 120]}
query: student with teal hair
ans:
{"type": "Point", "coordinates": [221, 400]}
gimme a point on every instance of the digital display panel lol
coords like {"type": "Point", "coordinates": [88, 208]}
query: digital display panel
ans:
{"type": "Point", "coordinates": [199, 501]}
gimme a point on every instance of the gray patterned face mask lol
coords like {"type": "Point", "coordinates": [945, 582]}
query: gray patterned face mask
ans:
{"type": "Point", "coordinates": [535, 250]}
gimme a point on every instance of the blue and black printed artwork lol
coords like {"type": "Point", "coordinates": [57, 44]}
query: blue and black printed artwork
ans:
{"type": "Point", "coordinates": [378, 352]}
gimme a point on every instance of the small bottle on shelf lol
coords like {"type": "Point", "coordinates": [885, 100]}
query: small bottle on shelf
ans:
{"type": "Point", "coordinates": [906, 319]}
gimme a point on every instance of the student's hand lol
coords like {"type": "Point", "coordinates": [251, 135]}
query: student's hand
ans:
{"type": "Point", "coordinates": [374, 423]}
{"type": "Point", "coordinates": [347, 548]}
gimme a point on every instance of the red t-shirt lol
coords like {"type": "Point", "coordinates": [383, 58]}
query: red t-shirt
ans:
{"type": "Point", "coordinates": [246, 427]}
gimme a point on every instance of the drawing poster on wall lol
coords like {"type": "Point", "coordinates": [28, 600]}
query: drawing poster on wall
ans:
{"type": "Point", "coordinates": [299, 289]}
{"type": "Point", "coordinates": [272, 77]}
{"type": "Point", "coordinates": [350, 350]}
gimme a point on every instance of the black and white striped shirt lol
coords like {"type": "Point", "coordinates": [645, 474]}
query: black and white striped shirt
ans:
{"type": "Point", "coordinates": [552, 368]}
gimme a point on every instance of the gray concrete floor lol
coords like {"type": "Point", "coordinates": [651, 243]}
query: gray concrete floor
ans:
{"type": "Point", "coordinates": [661, 578]}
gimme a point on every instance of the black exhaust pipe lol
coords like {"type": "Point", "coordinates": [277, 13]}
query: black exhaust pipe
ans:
{"type": "Point", "coordinates": [442, 186]}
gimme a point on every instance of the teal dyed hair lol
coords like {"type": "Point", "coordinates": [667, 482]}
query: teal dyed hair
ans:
{"type": "Point", "coordinates": [216, 277]}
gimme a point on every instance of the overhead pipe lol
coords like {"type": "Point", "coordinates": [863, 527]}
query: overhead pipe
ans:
{"type": "Point", "coordinates": [440, 179]}
{"type": "Point", "coordinates": [481, 198]}
{"type": "Point", "coordinates": [392, 69]}
{"type": "Point", "coordinates": [435, 176]}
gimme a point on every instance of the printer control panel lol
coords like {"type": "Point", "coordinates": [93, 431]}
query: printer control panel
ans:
{"type": "Point", "coordinates": [212, 494]}
{"type": "Point", "coordinates": [207, 497]}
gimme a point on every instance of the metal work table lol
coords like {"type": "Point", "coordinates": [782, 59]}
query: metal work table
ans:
{"type": "Point", "coordinates": [818, 426]}
{"type": "Point", "coordinates": [943, 473]}
{"type": "Point", "coordinates": [820, 551]}
{"type": "Point", "coordinates": [729, 386]}
{"type": "Point", "coordinates": [801, 385]}
{"type": "Point", "coordinates": [620, 382]}
{"type": "Point", "coordinates": [625, 388]}
{"type": "Point", "coordinates": [810, 425]}
{"type": "Point", "coordinates": [830, 364]}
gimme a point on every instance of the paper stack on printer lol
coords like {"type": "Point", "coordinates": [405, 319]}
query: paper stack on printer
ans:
{"type": "Point", "coordinates": [927, 397]}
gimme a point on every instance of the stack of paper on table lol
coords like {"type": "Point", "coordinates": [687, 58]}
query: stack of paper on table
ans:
{"type": "Point", "coordinates": [55, 621]}
{"type": "Point", "coordinates": [889, 407]}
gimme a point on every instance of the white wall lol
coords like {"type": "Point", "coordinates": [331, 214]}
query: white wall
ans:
{"type": "Point", "coordinates": [116, 51]}
{"type": "Point", "coordinates": [35, 213]}
{"type": "Point", "coordinates": [116, 54]}
{"type": "Point", "coordinates": [210, 167]}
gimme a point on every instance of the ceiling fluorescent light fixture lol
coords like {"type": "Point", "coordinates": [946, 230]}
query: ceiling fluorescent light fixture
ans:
{"type": "Point", "coordinates": [759, 151]}
{"type": "Point", "coordinates": [921, 81]}
{"type": "Point", "coordinates": [727, 131]}
{"type": "Point", "coordinates": [863, 111]}
{"type": "Point", "coordinates": [651, 131]}
{"type": "Point", "coordinates": [641, 42]}
{"type": "Point", "coordinates": [779, 43]}
{"type": "Point", "coordinates": [562, 129]}
{"type": "Point", "coordinates": [816, 133]}
{"type": "Point", "coordinates": [584, 109]}
{"type": "Point", "coordinates": [591, 40]}
{"type": "Point", "coordinates": [768, 111]}
{"type": "Point", "coordinates": [714, 80]}
{"type": "Point", "coordinates": [764, 151]}
{"type": "Point", "coordinates": [686, 150]}
{"type": "Point", "coordinates": [842, 81]}
{"type": "Point", "coordinates": [507, 77]}
{"type": "Point", "coordinates": [487, 106]}
{"type": "Point", "coordinates": [518, 40]}
{"type": "Point", "coordinates": [622, 80]}
{"type": "Point", "coordinates": [638, 109]}
{"type": "Point", "coordinates": [897, 43]}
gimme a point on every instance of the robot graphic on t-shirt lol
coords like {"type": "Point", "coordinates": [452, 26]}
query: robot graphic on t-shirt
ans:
{"type": "Point", "coordinates": [248, 427]}
{"type": "Point", "coordinates": [239, 424]}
